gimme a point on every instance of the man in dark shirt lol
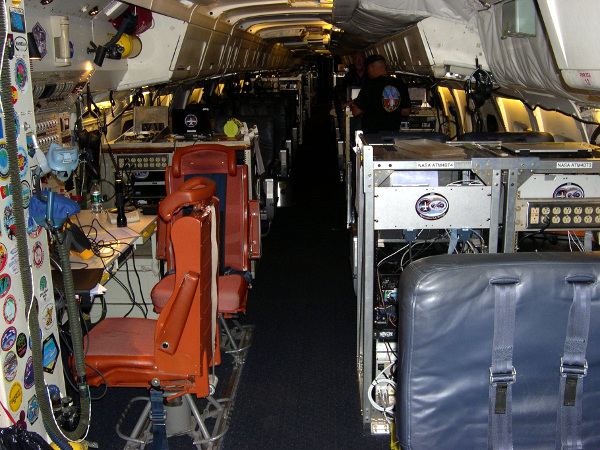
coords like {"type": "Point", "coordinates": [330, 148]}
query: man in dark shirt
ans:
{"type": "Point", "coordinates": [383, 100]}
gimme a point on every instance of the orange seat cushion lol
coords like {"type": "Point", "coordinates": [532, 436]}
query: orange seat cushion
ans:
{"type": "Point", "coordinates": [162, 291]}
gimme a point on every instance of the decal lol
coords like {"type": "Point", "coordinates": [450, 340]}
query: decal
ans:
{"type": "Point", "coordinates": [33, 229]}
{"type": "Point", "coordinates": [21, 74]}
{"type": "Point", "coordinates": [3, 256]}
{"type": "Point", "coordinates": [4, 284]}
{"type": "Point", "coordinates": [9, 219]}
{"type": "Point", "coordinates": [5, 191]}
{"type": "Point", "coordinates": [26, 188]}
{"type": "Point", "coordinates": [10, 46]}
{"type": "Point", "coordinates": [15, 94]}
{"type": "Point", "coordinates": [432, 206]}
{"type": "Point", "coordinates": [17, 125]}
{"type": "Point", "coordinates": [21, 345]}
{"type": "Point", "coordinates": [15, 396]}
{"type": "Point", "coordinates": [33, 409]}
{"type": "Point", "coordinates": [574, 165]}
{"type": "Point", "coordinates": [71, 50]}
{"type": "Point", "coordinates": [23, 161]}
{"type": "Point", "coordinates": [569, 190]}
{"type": "Point", "coordinates": [20, 44]}
{"type": "Point", "coordinates": [37, 254]}
{"type": "Point", "coordinates": [13, 261]}
{"type": "Point", "coordinates": [1, 127]}
{"type": "Point", "coordinates": [10, 366]}
{"type": "Point", "coordinates": [9, 310]}
{"type": "Point", "coordinates": [17, 20]}
{"type": "Point", "coordinates": [435, 165]}
{"type": "Point", "coordinates": [48, 316]}
{"type": "Point", "coordinates": [3, 161]}
{"type": "Point", "coordinates": [29, 139]}
{"type": "Point", "coordinates": [9, 337]}
{"type": "Point", "coordinates": [28, 377]}
{"type": "Point", "coordinates": [190, 120]}
{"type": "Point", "coordinates": [43, 288]}
{"type": "Point", "coordinates": [390, 98]}
{"type": "Point", "coordinates": [50, 353]}
{"type": "Point", "coordinates": [39, 35]}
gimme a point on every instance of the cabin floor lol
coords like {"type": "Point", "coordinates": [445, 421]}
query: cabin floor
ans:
{"type": "Point", "coordinates": [299, 386]}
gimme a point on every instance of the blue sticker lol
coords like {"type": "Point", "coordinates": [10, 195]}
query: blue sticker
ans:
{"type": "Point", "coordinates": [9, 337]}
{"type": "Point", "coordinates": [4, 284]}
{"type": "Point", "coordinates": [3, 161]}
{"type": "Point", "coordinates": [23, 162]}
{"type": "Point", "coordinates": [33, 410]}
{"type": "Point", "coordinates": [10, 366]}
{"type": "Point", "coordinates": [28, 377]}
{"type": "Point", "coordinates": [50, 353]}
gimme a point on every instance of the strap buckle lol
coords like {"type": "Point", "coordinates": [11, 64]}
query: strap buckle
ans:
{"type": "Point", "coordinates": [503, 377]}
{"type": "Point", "coordinates": [574, 369]}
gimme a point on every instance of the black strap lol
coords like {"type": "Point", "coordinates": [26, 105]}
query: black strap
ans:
{"type": "Point", "coordinates": [502, 371]}
{"type": "Point", "coordinates": [158, 417]}
{"type": "Point", "coordinates": [573, 366]}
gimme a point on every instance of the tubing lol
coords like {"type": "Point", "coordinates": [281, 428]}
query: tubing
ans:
{"type": "Point", "coordinates": [23, 255]}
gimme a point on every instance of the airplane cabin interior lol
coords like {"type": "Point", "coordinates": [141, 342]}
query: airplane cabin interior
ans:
{"type": "Point", "coordinates": [311, 224]}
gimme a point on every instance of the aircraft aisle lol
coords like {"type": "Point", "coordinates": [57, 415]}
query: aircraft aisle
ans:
{"type": "Point", "coordinates": [298, 387]}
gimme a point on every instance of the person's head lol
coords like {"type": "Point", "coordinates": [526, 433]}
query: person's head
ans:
{"type": "Point", "coordinates": [375, 65]}
{"type": "Point", "coordinates": [358, 59]}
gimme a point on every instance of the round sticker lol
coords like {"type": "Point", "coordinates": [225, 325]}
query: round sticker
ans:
{"type": "Point", "coordinates": [26, 188]}
{"type": "Point", "coordinates": [15, 94]}
{"type": "Point", "coordinates": [3, 256]}
{"type": "Point", "coordinates": [432, 206]}
{"type": "Point", "coordinates": [28, 377]}
{"type": "Point", "coordinates": [21, 74]}
{"type": "Point", "coordinates": [190, 120]}
{"type": "Point", "coordinates": [20, 44]}
{"type": "Point", "coordinates": [569, 190]}
{"type": "Point", "coordinates": [15, 396]}
{"type": "Point", "coordinates": [9, 309]}
{"type": "Point", "coordinates": [11, 364]}
{"type": "Point", "coordinates": [33, 410]}
{"type": "Point", "coordinates": [21, 345]}
{"type": "Point", "coordinates": [33, 229]}
{"type": "Point", "coordinates": [23, 162]}
{"type": "Point", "coordinates": [4, 284]}
{"type": "Point", "coordinates": [8, 338]}
{"type": "Point", "coordinates": [48, 316]}
{"type": "Point", "coordinates": [3, 161]}
{"type": "Point", "coordinates": [37, 254]}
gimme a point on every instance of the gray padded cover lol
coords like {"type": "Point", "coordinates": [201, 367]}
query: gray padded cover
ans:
{"type": "Point", "coordinates": [446, 308]}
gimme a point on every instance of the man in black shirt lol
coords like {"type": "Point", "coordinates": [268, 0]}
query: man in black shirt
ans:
{"type": "Point", "coordinates": [383, 100]}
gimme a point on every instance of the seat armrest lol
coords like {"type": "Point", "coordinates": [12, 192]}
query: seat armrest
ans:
{"type": "Point", "coordinates": [255, 231]}
{"type": "Point", "coordinates": [170, 334]}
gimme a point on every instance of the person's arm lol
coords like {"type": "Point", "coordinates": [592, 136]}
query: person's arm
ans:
{"type": "Point", "coordinates": [356, 111]}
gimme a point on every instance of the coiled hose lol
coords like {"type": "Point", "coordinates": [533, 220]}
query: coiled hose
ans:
{"type": "Point", "coordinates": [26, 281]}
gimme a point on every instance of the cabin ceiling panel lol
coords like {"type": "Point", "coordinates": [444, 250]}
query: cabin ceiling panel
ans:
{"type": "Point", "coordinates": [236, 15]}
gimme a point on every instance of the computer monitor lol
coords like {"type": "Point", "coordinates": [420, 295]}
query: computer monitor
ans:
{"type": "Point", "coordinates": [191, 122]}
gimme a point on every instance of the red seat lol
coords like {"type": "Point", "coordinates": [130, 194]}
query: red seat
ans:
{"type": "Point", "coordinates": [240, 235]}
{"type": "Point", "coordinates": [178, 347]}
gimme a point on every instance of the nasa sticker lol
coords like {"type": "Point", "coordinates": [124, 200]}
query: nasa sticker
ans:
{"type": "Point", "coordinates": [9, 310]}
{"type": "Point", "coordinates": [191, 120]}
{"type": "Point", "coordinates": [21, 74]}
{"type": "Point", "coordinates": [33, 410]}
{"type": "Point", "coordinates": [21, 345]}
{"type": "Point", "coordinates": [28, 377]}
{"type": "Point", "coordinates": [9, 337]}
{"type": "Point", "coordinates": [20, 44]}
{"type": "Point", "coordinates": [4, 284]}
{"type": "Point", "coordinates": [3, 256]}
{"type": "Point", "coordinates": [37, 255]}
{"type": "Point", "coordinates": [569, 190]}
{"type": "Point", "coordinates": [15, 396]}
{"type": "Point", "coordinates": [3, 161]}
{"type": "Point", "coordinates": [48, 316]}
{"type": "Point", "coordinates": [23, 161]}
{"type": "Point", "coordinates": [11, 364]}
{"type": "Point", "coordinates": [432, 206]}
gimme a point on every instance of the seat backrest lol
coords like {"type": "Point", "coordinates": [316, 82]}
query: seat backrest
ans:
{"type": "Point", "coordinates": [218, 162]}
{"type": "Point", "coordinates": [183, 340]}
{"type": "Point", "coordinates": [447, 312]}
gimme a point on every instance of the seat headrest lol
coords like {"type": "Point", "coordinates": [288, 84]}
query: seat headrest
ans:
{"type": "Point", "coordinates": [194, 191]}
{"type": "Point", "coordinates": [227, 150]}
